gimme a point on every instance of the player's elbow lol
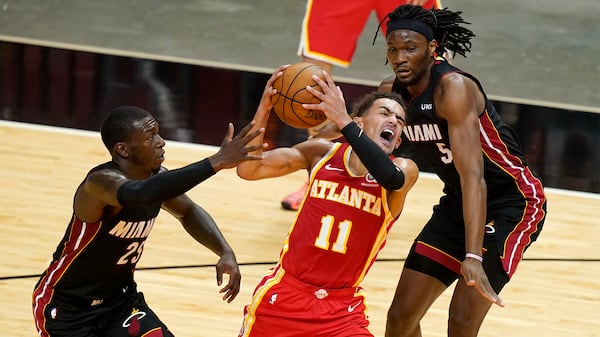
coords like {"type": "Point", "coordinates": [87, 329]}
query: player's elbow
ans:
{"type": "Point", "coordinates": [246, 173]}
{"type": "Point", "coordinates": [394, 181]}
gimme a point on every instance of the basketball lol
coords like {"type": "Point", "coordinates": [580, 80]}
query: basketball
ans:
{"type": "Point", "coordinates": [292, 93]}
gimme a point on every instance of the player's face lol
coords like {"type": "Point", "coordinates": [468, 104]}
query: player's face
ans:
{"type": "Point", "coordinates": [383, 123]}
{"type": "Point", "coordinates": [147, 145]}
{"type": "Point", "coordinates": [410, 55]}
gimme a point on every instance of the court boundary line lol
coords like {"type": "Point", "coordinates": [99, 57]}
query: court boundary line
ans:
{"type": "Point", "coordinates": [269, 263]}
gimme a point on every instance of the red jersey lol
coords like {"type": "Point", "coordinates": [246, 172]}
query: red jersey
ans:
{"type": "Point", "coordinates": [340, 227]}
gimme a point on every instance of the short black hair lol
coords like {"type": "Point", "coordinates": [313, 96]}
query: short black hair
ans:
{"type": "Point", "coordinates": [119, 124]}
{"type": "Point", "coordinates": [363, 105]}
{"type": "Point", "coordinates": [446, 26]}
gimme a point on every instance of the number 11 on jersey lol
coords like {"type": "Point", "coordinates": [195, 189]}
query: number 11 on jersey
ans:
{"type": "Point", "coordinates": [344, 227]}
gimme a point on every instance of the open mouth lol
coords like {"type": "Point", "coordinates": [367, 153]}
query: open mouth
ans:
{"type": "Point", "coordinates": [387, 135]}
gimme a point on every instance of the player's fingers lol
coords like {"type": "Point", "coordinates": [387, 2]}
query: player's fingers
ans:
{"type": "Point", "coordinates": [232, 288]}
{"type": "Point", "coordinates": [229, 296]}
{"type": "Point", "coordinates": [246, 137]}
{"type": "Point", "coordinates": [229, 134]}
{"type": "Point", "coordinates": [485, 289]}
{"type": "Point", "coordinates": [324, 85]}
{"type": "Point", "coordinates": [319, 94]}
{"type": "Point", "coordinates": [245, 129]}
{"type": "Point", "coordinates": [269, 86]}
{"type": "Point", "coordinates": [278, 72]}
{"type": "Point", "coordinates": [328, 79]}
{"type": "Point", "coordinates": [283, 67]}
{"type": "Point", "coordinates": [219, 276]}
{"type": "Point", "coordinates": [253, 148]}
{"type": "Point", "coordinates": [231, 291]}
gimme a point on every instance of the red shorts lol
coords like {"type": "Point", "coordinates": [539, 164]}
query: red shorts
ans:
{"type": "Point", "coordinates": [331, 28]}
{"type": "Point", "coordinates": [283, 306]}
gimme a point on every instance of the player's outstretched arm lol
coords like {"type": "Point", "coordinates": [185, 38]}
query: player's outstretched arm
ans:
{"type": "Point", "coordinates": [235, 150]}
{"type": "Point", "coordinates": [111, 187]}
{"type": "Point", "coordinates": [203, 228]}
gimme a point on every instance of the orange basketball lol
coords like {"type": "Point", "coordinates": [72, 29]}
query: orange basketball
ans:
{"type": "Point", "coordinates": [292, 93]}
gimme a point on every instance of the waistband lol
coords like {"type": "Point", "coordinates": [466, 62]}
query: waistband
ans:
{"type": "Point", "coordinates": [319, 292]}
{"type": "Point", "coordinates": [85, 302]}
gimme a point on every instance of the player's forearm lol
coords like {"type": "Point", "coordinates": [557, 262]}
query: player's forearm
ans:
{"type": "Point", "coordinates": [165, 185]}
{"type": "Point", "coordinates": [474, 195]}
{"type": "Point", "coordinates": [202, 227]}
{"type": "Point", "coordinates": [261, 119]}
{"type": "Point", "coordinates": [247, 170]}
{"type": "Point", "coordinates": [372, 156]}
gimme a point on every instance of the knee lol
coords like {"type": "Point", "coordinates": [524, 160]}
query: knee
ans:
{"type": "Point", "coordinates": [463, 323]}
{"type": "Point", "coordinates": [401, 319]}
{"type": "Point", "coordinates": [393, 317]}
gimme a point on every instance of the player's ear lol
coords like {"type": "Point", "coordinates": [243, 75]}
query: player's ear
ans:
{"type": "Point", "coordinates": [358, 121]}
{"type": "Point", "coordinates": [122, 150]}
{"type": "Point", "coordinates": [433, 44]}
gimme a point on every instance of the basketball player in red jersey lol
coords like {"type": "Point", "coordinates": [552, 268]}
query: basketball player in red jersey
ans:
{"type": "Point", "coordinates": [89, 289]}
{"type": "Point", "coordinates": [356, 192]}
{"type": "Point", "coordinates": [330, 33]}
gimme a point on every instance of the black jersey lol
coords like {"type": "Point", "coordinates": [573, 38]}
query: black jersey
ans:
{"type": "Point", "coordinates": [96, 261]}
{"type": "Point", "coordinates": [515, 198]}
{"type": "Point", "coordinates": [505, 168]}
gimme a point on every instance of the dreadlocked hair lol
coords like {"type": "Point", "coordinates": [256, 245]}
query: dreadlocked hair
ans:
{"type": "Point", "coordinates": [445, 24]}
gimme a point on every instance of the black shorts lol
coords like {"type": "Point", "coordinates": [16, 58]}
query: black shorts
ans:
{"type": "Point", "coordinates": [127, 316]}
{"type": "Point", "coordinates": [511, 227]}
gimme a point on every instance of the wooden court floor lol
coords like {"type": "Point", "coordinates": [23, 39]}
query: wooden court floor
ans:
{"type": "Point", "coordinates": [555, 292]}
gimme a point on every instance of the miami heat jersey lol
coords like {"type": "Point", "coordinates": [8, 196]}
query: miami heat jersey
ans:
{"type": "Point", "coordinates": [95, 261]}
{"type": "Point", "coordinates": [341, 226]}
{"type": "Point", "coordinates": [514, 192]}
{"type": "Point", "coordinates": [504, 163]}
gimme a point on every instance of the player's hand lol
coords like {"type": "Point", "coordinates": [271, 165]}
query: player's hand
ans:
{"type": "Point", "coordinates": [474, 275]}
{"type": "Point", "coordinates": [234, 150]}
{"type": "Point", "coordinates": [227, 264]}
{"type": "Point", "coordinates": [266, 103]}
{"type": "Point", "coordinates": [332, 100]}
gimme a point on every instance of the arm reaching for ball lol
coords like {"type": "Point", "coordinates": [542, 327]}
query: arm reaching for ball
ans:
{"type": "Point", "coordinates": [282, 160]}
{"type": "Point", "coordinates": [265, 106]}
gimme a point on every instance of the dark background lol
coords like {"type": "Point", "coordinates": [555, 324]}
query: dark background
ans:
{"type": "Point", "coordinates": [194, 103]}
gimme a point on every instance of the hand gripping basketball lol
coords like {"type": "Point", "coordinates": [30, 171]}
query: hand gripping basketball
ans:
{"type": "Point", "coordinates": [292, 93]}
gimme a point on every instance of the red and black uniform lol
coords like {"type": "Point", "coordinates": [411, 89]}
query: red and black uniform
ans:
{"type": "Point", "coordinates": [340, 228]}
{"type": "Point", "coordinates": [88, 288]}
{"type": "Point", "coordinates": [516, 204]}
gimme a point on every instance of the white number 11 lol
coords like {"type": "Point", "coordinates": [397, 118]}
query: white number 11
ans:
{"type": "Point", "coordinates": [339, 245]}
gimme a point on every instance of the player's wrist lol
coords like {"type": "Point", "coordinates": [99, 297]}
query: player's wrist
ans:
{"type": "Point", "coordinates": [474, 256]}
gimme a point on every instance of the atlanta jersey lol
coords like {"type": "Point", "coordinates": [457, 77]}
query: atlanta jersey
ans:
{"type": "Point", "coordinates": [340, 227]}
{"type": "Point", "coordinates": [342, 224]}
